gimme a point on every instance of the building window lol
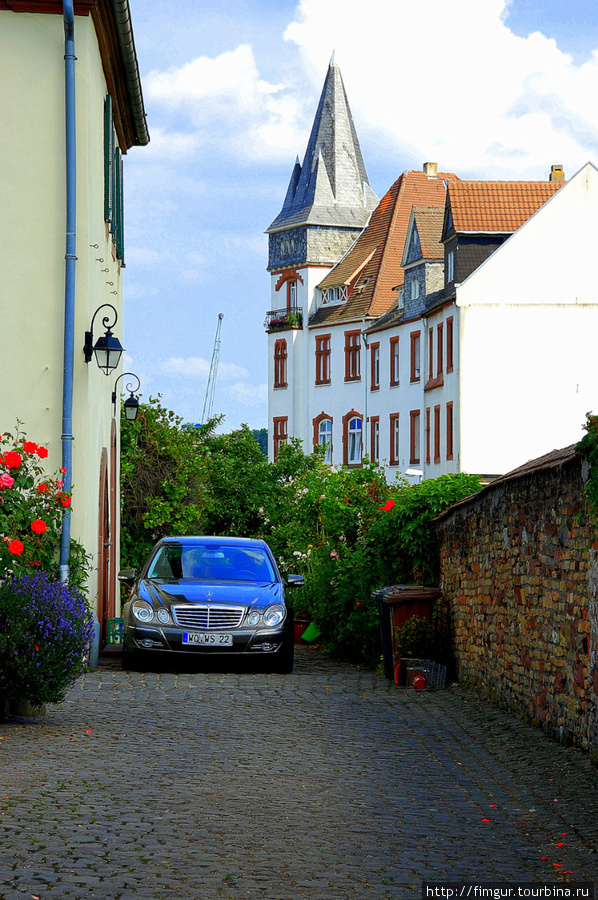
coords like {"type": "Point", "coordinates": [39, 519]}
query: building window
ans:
{"type": "Point", "coordinates": [431, 353]}
{"type": "Point", "coordinates": [415, 355]}
{"type": "Point", "coordinates": [375, 439]}
{"type": "Point", "coordinates": [335, 295]}
{"type": "Point", "coordinates": [291, 294]}
{"type": "Point", "coordinates": [450, 266]}
{"type": "Point", "coordinates": [375, 366]}
{"type": "Point", "coordinates": [414, 436]}
{"type": "Point", "coordinates": [280, 364]}
{"type": "Point", "coordinates": [394, 439]}
{"type": "Point", "coordinates": [322, 359]}
{"type": "Point", "coordinates": [428, 435]}
{"type": "Point", "coordinates": [323, 435]}
{"type": "Point", "coordinates": [394, 360]}
{"type": "Point", "coordinates": [449, 344]}
{"type": "Point", "coordinates": [352, 355]}
{"type": "Point", "coordinates": [113, 181]}
{"type": "Point", "coordinates": [280, 433]}
{"type": "Point", "coordinates": [449, 431]}
{"type": "Point", "coordinates": [439, 349]}
{"type": "Point", "coordinates": [352, 439]}
{"type": "Point", "coordinates": [401, 299]}
{"type": "Point", "coordinates": [414, 288]}
{"type": "Point", "coordinates": [436, 434]}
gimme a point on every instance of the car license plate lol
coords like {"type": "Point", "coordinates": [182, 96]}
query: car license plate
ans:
{"type": "Point", "coordinates": [213, 638]}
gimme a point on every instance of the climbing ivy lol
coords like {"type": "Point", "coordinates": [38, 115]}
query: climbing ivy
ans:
{"type": "Point", "coordinates": [588, 449]}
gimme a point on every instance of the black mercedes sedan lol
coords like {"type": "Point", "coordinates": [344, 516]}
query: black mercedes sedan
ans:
{"type": "Point", "coordinates": [210, 596]}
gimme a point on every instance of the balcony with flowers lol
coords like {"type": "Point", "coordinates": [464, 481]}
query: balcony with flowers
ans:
{"type": "Point", "coordinates": [284, 319]}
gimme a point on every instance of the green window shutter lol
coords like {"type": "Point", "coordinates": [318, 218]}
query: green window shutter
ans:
{"type": "Point", "coordinates": [120, 235]}
{"type": "Point", "coordinates": [108, 159]}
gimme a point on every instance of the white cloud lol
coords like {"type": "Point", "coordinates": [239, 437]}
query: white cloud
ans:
{"type": "Point", "coordinates": [224, 103]}
{"type": "Point", "coordinates": [248, 394]}
{"type": "Point", "coordinates": [452, 83]}
{"type": "Point", "coordinates": [197, 367]}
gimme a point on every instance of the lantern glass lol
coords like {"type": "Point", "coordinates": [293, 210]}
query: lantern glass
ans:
{"type": "Point", "coordinates": [108, 351]}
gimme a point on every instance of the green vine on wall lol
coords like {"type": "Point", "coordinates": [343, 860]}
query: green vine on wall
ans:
{"type": "Point", "coordinates": [588, 449]}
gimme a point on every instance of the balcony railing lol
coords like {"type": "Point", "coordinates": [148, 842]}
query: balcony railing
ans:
{"type": "Point", "coordinates": [282, 319]}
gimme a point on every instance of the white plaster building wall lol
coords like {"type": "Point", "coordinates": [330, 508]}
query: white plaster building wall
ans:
{"type": "Point", "coordinates": [529, 316]}
{"type": "Point", "coordinates": [340, 396]}
{"type": "Point", "coordinates": [528, 377]}
{"type": "Point", "coordinates": [401, 398]}
{"type": "Point", "coordinates": [32, 247]}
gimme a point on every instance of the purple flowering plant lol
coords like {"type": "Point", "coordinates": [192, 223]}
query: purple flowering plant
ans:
{"type": "Point", "coordinates": [46, 629]}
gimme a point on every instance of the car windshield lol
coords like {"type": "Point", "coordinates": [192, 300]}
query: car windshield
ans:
{"type": "Point", "coordinates": [210, 562]}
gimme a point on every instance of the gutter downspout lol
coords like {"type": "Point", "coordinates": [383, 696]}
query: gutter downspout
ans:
{"type": "Point", "coordinates": [70, 258]}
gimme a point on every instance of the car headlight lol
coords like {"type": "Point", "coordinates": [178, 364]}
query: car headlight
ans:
{"type": "Point", "coordinates": [253, 617]}
{"type": "Point", "coordinates": [274, 615]}
{"type": "Point", "coordinates": [143, 611]}
{"type": "Point", "coordinates": [163, 616]}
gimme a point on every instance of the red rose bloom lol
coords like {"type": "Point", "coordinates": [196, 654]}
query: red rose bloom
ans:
{"type": "Point", "coordinates": [29, 447]}
{"type": "Point", "coordinates": [42, 452]}
{"type": "Point", "coordinates": [12, 460]}
{"type": "Point", "coordinates": [42, 487]}
{"type": "Point", "coordinates": [39, 526]}
{"type": "Point", "coordinates": [15, 547]}
{"type": "Point", "coordinates": [66, 501]}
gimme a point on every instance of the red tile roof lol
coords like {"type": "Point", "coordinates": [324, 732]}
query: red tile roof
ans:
{"type": "Point", "coordinates": [497, 206]}
{"type": "Point", "coordinates": [429, 221]}
{"type": "Point", "coordinates": [372, 266]}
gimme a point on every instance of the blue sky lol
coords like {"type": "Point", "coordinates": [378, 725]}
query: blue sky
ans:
{"type": "Point", "coordinates": [486, 88]}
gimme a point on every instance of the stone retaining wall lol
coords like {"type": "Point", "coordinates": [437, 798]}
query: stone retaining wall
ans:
{"type": "Point", "coordinates": [519, 576]}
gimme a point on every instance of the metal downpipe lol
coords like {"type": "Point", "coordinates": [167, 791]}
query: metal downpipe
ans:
{"type": "Point", "coordinates": [70, 261]}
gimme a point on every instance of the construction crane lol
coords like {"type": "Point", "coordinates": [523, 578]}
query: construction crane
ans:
{"type": "Point", "coordinates": [208, 403]}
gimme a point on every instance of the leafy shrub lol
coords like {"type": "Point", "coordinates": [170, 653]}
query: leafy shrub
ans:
{"type": "Point", "coordinates": [32, 508]}
{"type": "Point", "coordinates": [588, 449]}
{"type": "Point", "coordinates": [45, 633]}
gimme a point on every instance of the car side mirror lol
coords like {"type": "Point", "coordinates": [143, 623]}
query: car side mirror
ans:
{"type": "Point", "coordinates": [127, 576]}
{"type": "Point", "coordinates": [295, 580]}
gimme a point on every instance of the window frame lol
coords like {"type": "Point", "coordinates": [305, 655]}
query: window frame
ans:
{"type": "Point", "coordinates": [375, 439]}
{"type": "Point", "coordinates": [280, 434]}
{"type": "Point", "coordinates": [415, 342]}
{"type": "Point", "coordinates": [351, 416]}
{"type": "Point", "coordinates": [323, 358]}
{"type": "Point", "coordinates": [450, 433]}
{"type": "Point", "coordinates": [414, 436]}
{"type": "Point", "coordinates": [280, 363]}
{"type": "Point", "coordinates": [353, 355]}
{"type": "Point", "coordinates": [395, 438]}
{"type": "Point", "coordinates": [375, 366]}
{"type": "Point", "coordinates": [437, 434]}
{"type": "Point", "coordinates": [450, 336]}
{"type": "Point", "coordinates": [395, 361]}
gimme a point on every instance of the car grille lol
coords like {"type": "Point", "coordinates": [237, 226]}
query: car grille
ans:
{"type": "Point", "coordinates": [208, 616]}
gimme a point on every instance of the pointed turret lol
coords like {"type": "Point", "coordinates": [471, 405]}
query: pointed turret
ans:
{"type": "Point", "coordinates": [331, 188]}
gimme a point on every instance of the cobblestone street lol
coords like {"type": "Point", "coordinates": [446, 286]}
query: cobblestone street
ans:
{"type": "Point", "coordinates": [329, 784]}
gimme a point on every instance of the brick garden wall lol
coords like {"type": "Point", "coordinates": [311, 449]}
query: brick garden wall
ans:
{"type": "Point", "coordinates": [519, 576]}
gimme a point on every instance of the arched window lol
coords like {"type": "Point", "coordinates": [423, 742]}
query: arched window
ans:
{"type": "Point", "coordinates": [352, 438]}
{"type": "Point", "coordinates": [323, 434]}
{"type": "Point", "coordinates": [280, 363]}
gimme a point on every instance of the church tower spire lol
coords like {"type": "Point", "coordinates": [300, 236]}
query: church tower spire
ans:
{"type": "Point", "coordinates": [329, 191]}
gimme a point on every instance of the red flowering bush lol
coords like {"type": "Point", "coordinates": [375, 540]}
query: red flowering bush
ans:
{"type": "Point", "coordinates": [32, 506]}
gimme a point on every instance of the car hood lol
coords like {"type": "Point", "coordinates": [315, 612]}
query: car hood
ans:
{"type": "Point", "coordinates": [249, 594]}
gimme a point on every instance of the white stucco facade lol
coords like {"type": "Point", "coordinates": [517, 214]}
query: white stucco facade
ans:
{"type": "Point", "coordinates": [528, 323]}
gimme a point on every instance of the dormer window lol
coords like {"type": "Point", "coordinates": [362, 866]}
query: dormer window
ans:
{"type": "Point", "coordinates": [450, 266]}
{"type": "Point", "coordinates": [335, 295]}
{"type": "Point", "coordinates": [414, 289]}
{"type": "Point", "coordinates": [401, 300]}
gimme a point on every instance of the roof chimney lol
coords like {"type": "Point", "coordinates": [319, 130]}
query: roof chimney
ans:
{"type": "Point", "coordinates": [557, 173]}
{"type": "Point", "coordinates": [431, 169]}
